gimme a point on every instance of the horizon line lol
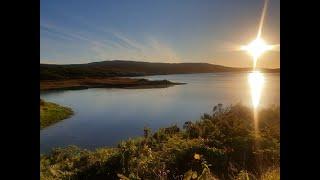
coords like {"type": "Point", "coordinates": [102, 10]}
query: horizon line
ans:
{"type": "Point", "coordinates": [143, 61]}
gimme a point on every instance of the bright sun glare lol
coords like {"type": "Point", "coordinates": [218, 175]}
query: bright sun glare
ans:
{"type": "Point", "coordinates": [256, 82]}
{"type": "Point", "coordinates": [256, 48]}
{"type": "Point", "coordinates": [256, 79]}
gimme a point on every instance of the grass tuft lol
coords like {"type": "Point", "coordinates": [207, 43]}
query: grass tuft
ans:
{"type": "Point", "coordinates": [51, 113]}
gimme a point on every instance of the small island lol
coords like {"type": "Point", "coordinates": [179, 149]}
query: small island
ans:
{"type": "Point", "coordinates": [51, 113]}
{"type": "Point", "coordinates": [111, 82]}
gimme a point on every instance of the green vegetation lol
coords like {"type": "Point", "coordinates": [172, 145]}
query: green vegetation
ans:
{"type": "Point", "coordinates": [221, 145]}
{"type": "Point", "coordinates": [51, 113]}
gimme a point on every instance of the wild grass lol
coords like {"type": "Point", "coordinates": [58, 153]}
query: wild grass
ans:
{"type": "Point", "coordinates": [51, 113]}
{"type": "Point", "coordinates": [221, 145]}
{"type": "Point", "coordinates": [271, 174]}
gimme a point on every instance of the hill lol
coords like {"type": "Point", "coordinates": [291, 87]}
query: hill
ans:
{"type": "Point", "coordinates": [121, 68]}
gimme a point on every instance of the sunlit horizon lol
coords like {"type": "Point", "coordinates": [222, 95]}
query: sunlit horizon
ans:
{"type": "Point", "coordinates": [162, 31]}
{"type": "Point", "coordinates": [256, 48]}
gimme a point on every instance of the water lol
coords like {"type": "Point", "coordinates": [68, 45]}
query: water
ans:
{"type": "Point", "coordinates": [103, 117]}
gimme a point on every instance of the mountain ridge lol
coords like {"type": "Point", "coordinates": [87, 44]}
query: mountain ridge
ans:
{"type": "Point", "coordinates": [126, 68]}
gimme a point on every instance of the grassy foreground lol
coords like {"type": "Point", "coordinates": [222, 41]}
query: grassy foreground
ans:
{"type": "Point", "coordinates": [221, 145]}
{"type": "Point", "coordinates": [51, 113]}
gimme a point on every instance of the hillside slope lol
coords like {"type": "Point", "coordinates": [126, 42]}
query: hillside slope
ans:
{"type": "Point", "coordinates": [119, 68]}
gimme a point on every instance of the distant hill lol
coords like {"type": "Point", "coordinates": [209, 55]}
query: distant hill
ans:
{"type": "Point", "coordinates": [120, 68]}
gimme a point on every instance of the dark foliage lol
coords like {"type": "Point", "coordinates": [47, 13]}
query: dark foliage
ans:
{"type": "Point", "coordinates": [222, 144]}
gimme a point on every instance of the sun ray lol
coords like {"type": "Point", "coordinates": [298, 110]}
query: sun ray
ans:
{"type": "Point", "coordinates": [258, 46]}
{"type": "Point", "coordinates": [262, 18]}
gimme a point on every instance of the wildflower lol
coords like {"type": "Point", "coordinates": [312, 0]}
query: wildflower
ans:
{"type": "Point", "coordinates": [196, 156]}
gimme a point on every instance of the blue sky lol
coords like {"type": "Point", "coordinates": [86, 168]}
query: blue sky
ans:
{"type": "Point", "coordinates": [81, 31]}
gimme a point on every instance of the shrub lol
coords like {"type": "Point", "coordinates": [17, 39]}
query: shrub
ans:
{"type": "Point", "coordinates": [222, 144]}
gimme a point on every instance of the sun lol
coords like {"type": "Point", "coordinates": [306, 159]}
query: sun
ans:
{"type": "Point", "coordinates": [256, 48]}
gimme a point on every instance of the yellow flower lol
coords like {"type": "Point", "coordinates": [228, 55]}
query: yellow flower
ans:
{"type": "Point", "coordinates": [196, 156]}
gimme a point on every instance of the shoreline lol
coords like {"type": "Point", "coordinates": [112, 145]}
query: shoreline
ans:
{"type": "Point", "coordinates": [116, 82]}
{"type": "Point", "coordinates": [173, 146]}
{"type": "Point", "coordinates": [51, 113]}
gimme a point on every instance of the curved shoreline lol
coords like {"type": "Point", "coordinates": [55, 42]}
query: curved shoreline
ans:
{"type": "Point", "coordinates": [51, 113]}
{"type": "Point", "coordinates": [86, 83]}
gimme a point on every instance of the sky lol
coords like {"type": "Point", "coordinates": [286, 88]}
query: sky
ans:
{"type": "Point", "coordinates": [172, 31]}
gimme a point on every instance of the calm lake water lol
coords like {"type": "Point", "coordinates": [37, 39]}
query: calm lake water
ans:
{"type": "Point", "coordinates": [103, 117]}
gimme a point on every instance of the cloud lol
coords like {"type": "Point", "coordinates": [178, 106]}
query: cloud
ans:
{"type": "Point", "coordinates": [61, 32]}
{"type": "Point", "coordinates": [126, 48]}
{"type": "Point", "coordinates": [120, 47]}
{"type": "Point", "coordinates": [163, 50]}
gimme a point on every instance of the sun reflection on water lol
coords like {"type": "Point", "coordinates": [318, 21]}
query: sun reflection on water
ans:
{"type": "Point", "coordinates": [256, 82]}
